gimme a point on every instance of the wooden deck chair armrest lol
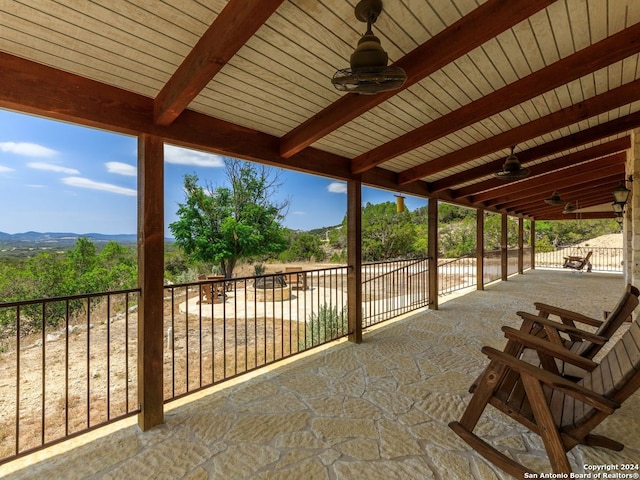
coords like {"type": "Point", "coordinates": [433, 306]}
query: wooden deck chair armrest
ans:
{"type": "Point", "coordinates": [546, 347]}
{"type": "Point", "coordinates": [574, 258]}
{"type": "Point", "coordinates": [561, 327]}
{"type": "Point", "coordinates": [552, 380]}
{"type": "Point", "coordinates": [566, 314]}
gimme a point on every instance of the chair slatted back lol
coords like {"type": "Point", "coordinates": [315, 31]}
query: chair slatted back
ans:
{"type": "Point", "coordinates": [625, 307]}
{"type": "Point", "coordinates": [616, 377]}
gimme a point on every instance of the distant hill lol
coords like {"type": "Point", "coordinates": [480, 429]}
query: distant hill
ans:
{"type": "Point", "coordinates": [64, 237]}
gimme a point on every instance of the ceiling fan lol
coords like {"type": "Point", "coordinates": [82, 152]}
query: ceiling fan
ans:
{"type": "Point", "coordinates": [511, 169]}
{"type": "Point", "coordinates": [369, 73]}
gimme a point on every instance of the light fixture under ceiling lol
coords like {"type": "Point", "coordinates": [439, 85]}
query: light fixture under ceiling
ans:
{"type": "Point", "coordinates": [511, 169]}
{"type": "Point", "coordinates": [554, 199]}
{"type": "Point", "coordinates": [369, 73]}
{"type": "Point", "coordinates": [569, 208]}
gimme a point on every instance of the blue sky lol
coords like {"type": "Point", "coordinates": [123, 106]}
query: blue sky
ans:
{"type": "Point", "coordinates": [58, 177]}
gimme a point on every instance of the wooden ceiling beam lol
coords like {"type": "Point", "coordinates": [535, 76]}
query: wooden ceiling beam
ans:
{"type": "Point", "coordinates": [602, 103]}
{"type": "Point", "coordinates": [472, 30]}
{"type": "Point", "coordinates": [556, 182]}
{"type": "Point", "coordinates": [585, 192]}
{"type": "Point", "coordinates": [585, 155]}
{"type": "Point", "coordinates": [577, 216]}
{"type": "Point", "coordinates": [615, 160]}
{"type": "Point", "coordinates": [550, 209]}
{"type": "Point", "coordinates": [604, 130]}
{"type": "Point", "coordinates": [33, 88]}
{"type": "Point", "coordinates": [236, 24]}
{"type": "Point", "coordinates": [605, 52]}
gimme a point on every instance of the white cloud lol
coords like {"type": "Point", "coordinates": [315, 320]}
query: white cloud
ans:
{"type": "Point", "coordinates": [298, 212]}
{"type": "Point", "coordinates": [337, 187]}
{"type": "Point", "coordinates": [120, 168]}
{"type": "Point", "coordinates": [34, 185]}
{"type": "Point", "coordinates": [105, 187]}
{"type": "Point", "coordinates": [52, 168]}
{"type": "Point", "coordinates": [5, 169]}
{"type": "Point", "coordinates": [27, 149]}
{"type": "Point", "coordinates": [183, 156]}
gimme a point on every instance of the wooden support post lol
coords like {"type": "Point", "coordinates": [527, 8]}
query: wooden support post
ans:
{"type": "Point", "coordinates": [432, 250]}
{"type": "Point", "coordinates": [532, 244]}
{"type": "Point", "coordinates": [150, 280]}
{"type": "Point", "coordinates": [480, 249]}
{"type": "Point", "coordinates": [504, 246]}
{"type": "Point", "coordinates": [354, 259]}
{"type": "Point", "coordinates": [520, 245]}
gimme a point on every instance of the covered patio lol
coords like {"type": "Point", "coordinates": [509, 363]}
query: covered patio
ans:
{"type": "Point", "coordinates": [375, 410]}
{"type": "Point", "coordinates": [557, 80]}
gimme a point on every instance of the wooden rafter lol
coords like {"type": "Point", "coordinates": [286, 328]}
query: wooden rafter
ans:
{"type": "Point", "coordinates": [565, 161]}
{"type": "Point", "coordinates": [582, 192]}
{"type": "Point", "coordinates": [604, 102]}
{"type": "Point", "coordinates": [613, 127]}
{"type": "Point", "coordinates": [599, 55]}
{"type": "Point", "coordinates": [236, 24]}
{"type": "Point", "coordinates": [472, 30]}
{"type": "Point", "coordinates": [556, 179]}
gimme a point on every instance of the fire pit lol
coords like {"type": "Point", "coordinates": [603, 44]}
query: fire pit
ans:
{"type": "Point", "coordinates": [269, 289]}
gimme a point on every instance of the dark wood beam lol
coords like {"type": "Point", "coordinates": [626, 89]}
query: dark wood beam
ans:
{"type": "Point", "coordinates": [567, 176]}
{"type": "Point", "coordinates": [570, 194]}
{"type": "Point", "coordinates": [472, 30]}
{"type": "Point", "coordinates": [577, 216]}
{"type": "Point", "coordinates": [610, 50]}
{"type": "Point", "coordinates": [559, 185]}
{"type": "Point", "coordinates": [588, 197]}
{"type": "Point", "coordinates": [604, 130]}
{"type": "Point", "coordinates": [602, 103]}
{"type": "Point", "coordinates": [236, 24]}
{"type": "Point", "coordinates": [585, 155]}
{"type": "Point", "coordinates": [33, 88]}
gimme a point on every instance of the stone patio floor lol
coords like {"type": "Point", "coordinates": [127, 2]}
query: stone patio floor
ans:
{"type": "Point", "coordinates": [378, 410]}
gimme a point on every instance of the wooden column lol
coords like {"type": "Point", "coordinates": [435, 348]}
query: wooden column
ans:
{"type": "Point", "coordinates": [480, 249]}
{"type": "Point", "coordinates": [150, 280]}
{"type": "Point", "coordinates": [504, 241]}
{"type": "Point", "coordinates": [532, 244]}
{"type": "Point", "coordinates": [432, 250]}
{"type": "Point", "coordinates": [520, 245]}
{"type": "Point", "coordinates": [354, 259]}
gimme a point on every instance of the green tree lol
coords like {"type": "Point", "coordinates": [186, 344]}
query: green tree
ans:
{"type": "Point", "coordinates": [386, 233]}
{"type": "Point", "coordinates": [303, 246]}
{"type": "Point", "coordinates": [225, 224]}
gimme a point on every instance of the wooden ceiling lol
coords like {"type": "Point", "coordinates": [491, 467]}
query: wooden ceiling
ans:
{"type": "Point", "coordinates": [251, 79]}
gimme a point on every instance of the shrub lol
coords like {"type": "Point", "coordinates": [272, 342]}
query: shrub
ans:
{"type": "Point", "coordinates": [327, 324]}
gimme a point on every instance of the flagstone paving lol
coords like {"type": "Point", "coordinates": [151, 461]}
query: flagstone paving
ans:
{"type": "Point", "coordinates": [378, 410]}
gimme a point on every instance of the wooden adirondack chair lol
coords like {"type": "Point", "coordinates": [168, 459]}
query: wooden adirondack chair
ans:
{"type": "Point", "coordinates": [577, 263]}
{"type": "Point", "coordinates": [562, 412]}
{"type": "Point", "coordinates": [566, 334]}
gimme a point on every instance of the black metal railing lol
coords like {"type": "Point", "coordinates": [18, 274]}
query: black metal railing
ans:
{"type": "Point", "coordinates": [217, 329]}
{"type": "Point", "coordinates": [512, 261]}
{"type": "Point", "coordinates": [492, 266]}
{"type": "Point", "coordinates": [602, 259]}
{"type": "Point", "coordinates": [392, 288]}
{"type": "Point", "coordinates": [457, 274]}
{"type": "Point", "coordinates": [68, 365]}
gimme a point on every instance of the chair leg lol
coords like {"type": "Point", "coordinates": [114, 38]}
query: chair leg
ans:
{"type": "Point", "coordinates": [594, 440]}
{"type": "Point", "coordinates": [483, 389]}
{"type": "Point", "coordinates": [499, 459]}
{"type": "Point", "coordinates": [544, 420]}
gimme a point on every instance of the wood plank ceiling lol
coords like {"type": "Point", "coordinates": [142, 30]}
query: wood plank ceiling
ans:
{"type": "Point", "coordinates": [560, 80]}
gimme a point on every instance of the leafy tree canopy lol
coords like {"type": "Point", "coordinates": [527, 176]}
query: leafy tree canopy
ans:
{"type": "Point", "coordinates": [225, 224]}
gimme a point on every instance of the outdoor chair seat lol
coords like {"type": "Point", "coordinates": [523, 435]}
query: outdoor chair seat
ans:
{"type": "Point", "coordinates": [578, 263]}
{"type": "Point", "coordinates": [562, 412]}
{"type": "Point", "coordinates": [566, 334]}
